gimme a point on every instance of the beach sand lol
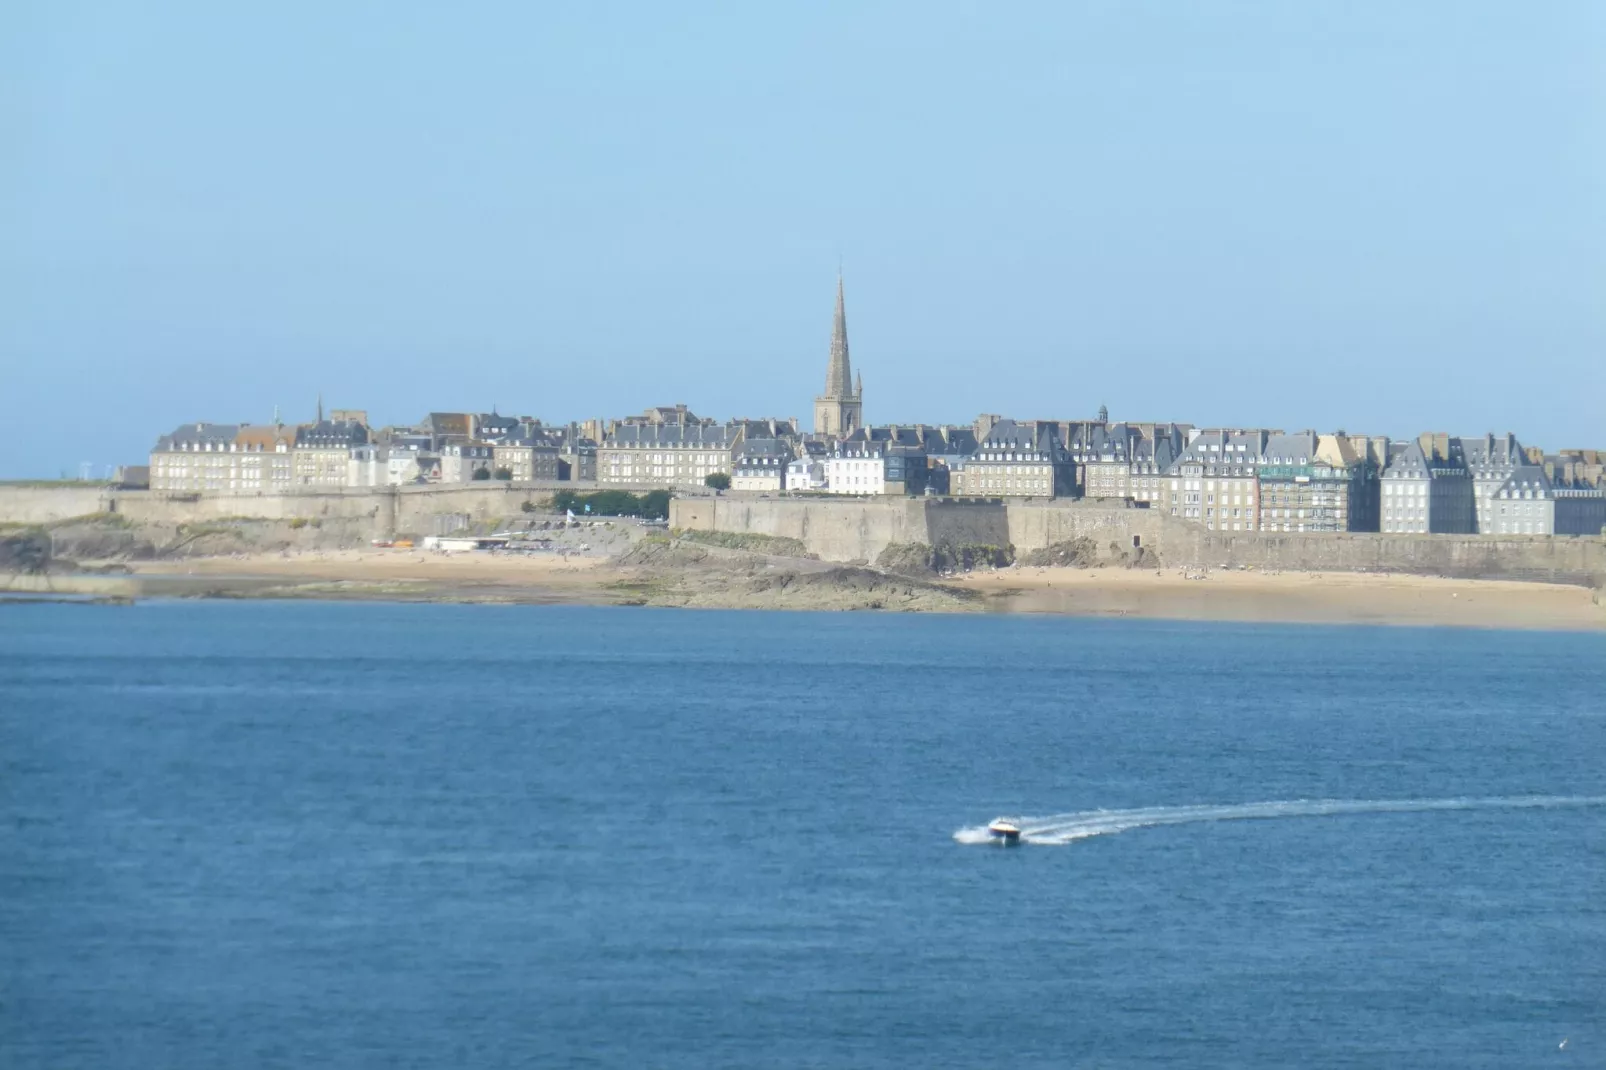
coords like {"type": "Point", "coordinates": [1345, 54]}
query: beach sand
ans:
{"type": "Point", "coordinates": [1294, 597]}
{"type": "Point", "coordinates": [1302, 597]}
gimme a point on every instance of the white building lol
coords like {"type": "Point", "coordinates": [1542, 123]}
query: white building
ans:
{"type": "Point", "coordinates": [224, 458]}
{"type": "Point", "coordinates": [856, 473]}
{"type": "Point", "coordinates": [806, 473]}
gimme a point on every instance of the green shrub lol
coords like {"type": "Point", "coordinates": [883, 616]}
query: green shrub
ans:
{"type": "Point", "coordinates": [654, 505]}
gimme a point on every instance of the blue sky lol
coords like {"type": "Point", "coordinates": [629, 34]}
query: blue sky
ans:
{"type": "Point", "coordinates": [1378, 217]}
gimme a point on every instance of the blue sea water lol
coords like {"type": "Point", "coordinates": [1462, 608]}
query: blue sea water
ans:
{"type": "Point", "coordinates": [353, 835]}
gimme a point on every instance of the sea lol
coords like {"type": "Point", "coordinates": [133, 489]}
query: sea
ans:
{"type": "Point", "coordinates": [295, 834]}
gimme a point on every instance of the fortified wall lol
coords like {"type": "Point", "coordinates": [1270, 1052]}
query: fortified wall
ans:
{"type": "Point", "coordinates": [378, 512]}
{"type": "Point", "coordinates": [860, 530]}
{"type": "Point", "coordinates": [847, 530]}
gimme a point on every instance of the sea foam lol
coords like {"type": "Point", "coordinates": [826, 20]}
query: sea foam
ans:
{"type": "Point", "coordinates": [1059, 829]}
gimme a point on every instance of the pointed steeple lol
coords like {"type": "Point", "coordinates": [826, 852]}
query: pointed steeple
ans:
{"type": "Point", "coordinates": [320, 406]}
{"type": "Point", "coordinates": [840, 410]}
{"type": "Point", "coordinates": [839, 375]}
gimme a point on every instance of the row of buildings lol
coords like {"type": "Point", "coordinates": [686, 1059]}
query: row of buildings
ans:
{"type": "Point", "coordinates": [1224, 479]}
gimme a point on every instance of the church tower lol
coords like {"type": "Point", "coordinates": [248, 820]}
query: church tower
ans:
{"type": "Point", "coordinates": [840, 410]}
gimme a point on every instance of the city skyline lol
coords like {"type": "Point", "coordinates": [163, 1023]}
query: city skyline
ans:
{"type": "Point", "coordinates": [1226, 217]}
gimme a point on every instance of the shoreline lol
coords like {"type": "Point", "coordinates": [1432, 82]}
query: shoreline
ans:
{"type": "Point", "coordinates": [1166, 594]}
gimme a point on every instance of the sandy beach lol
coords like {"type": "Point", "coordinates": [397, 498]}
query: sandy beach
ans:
{"type": "Point", "coordinates": [1303, 597]}
{"type": "Point", "coordinates": [1308, 597]}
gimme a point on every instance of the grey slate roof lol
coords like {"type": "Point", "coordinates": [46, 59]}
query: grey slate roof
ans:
{"type": "Point", "coordinates": [645, 436]}
{"type": "Point", "coordinates": [1007, 435]}
{"type": "Point", "coordinates": [327, 434]}
{"type": "Point", "coordinates": [199, 435]}
{"type": "Point", "coordinates": [1413, 462]}
{"type": "Point", "coordinates": [755, 449]}
{"type": "Point", "coordinates": [1243, 448]}
{"type": "Point", "coordinates": [1526, 480]}
{"type": "Point", "coordinates": [1297, 448]}
{"type": "Point", "coordinates": [1492, 451]}
{"type": "Point", "coordinates": [1409, 463]}
{"type": "Point", "coordinates": [493, 426]}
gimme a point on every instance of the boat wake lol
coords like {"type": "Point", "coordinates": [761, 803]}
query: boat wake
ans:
{"type": "Point", "coordinates": [1057, 830]}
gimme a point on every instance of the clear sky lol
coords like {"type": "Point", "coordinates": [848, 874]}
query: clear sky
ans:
{"type": "Point", "coordinates": [1375, 216]}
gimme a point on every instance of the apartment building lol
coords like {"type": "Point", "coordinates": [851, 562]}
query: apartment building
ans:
{"type": "Point", "coordinates": [1216, 479]}
{"type": "Point", "coordinates": [667, 454]}
{"type": "Point", "coordinates": [1017, 460]}
{"type": "Point", "coordinates": [1427, 489]}
{"type": "Point", "coordinates": [1311, 482]}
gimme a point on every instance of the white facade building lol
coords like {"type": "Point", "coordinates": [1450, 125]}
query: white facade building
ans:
{"type": "Point", "coordinates": [856, 473]}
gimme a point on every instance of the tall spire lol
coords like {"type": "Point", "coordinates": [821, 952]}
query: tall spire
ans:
{"type": "Point", "coordinates": [839, 375]}
{"type": "Point", "coordinates": [320, 406]}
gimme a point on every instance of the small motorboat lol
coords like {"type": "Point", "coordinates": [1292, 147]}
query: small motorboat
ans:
{"type": "Point", "coordinates": [1004, 831]}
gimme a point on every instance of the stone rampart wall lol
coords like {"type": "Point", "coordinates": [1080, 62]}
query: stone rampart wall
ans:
{"type": "Point", "coordinates": [1557, 559]}
{"type": "Point", "coordinates": [22, 503]}
{"type": "Point", "coordinates": [835, 530]}
{"type": "Point", "coordinates": [860, 530]}
{"type": "Point", "coordinates": [379, 512]}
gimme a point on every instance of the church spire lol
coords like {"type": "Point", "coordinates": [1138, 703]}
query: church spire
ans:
{"type": "Point", "coordinates": [320, 406]}
{"type": "Point", "coordinates": [839, 375]}
{"type": "Point", "coordinates": [840, 410]}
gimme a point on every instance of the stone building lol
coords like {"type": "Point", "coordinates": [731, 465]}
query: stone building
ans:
{"type": "Point", "coordinates": [322, 452]}
{"type": "Point", "coordinates": [667, 454]}
{"type": "Point", "coordinates": [1127, 461]}
{"type": "Point", "coordinates": [1427, 489]}
{"type": "Point", "coordinates": [1492, 461]}
{"type": "Point", "coordinates": [1531, 502]}
{"type": "Point", "coordinates": [223, 458]}
{"type": "Point", "coordinates": [840, 410]}
{"type": "Point", "coordinates": [1216, 479]}
{"type": "Point", "coordinates": [465, 462]}
{"type": "Point", "coordinates": [444, 427]}
{"type": "Point", "coordinates": [1017, 460]}
{"type": "Point", "coordinates": [1311, 482]}
{"type": "Point", "coordinates": [760, 465]}
{"type": "Point", "coordinates": [526, 459]}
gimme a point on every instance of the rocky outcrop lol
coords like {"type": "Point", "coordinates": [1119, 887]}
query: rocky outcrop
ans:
{"type": "Point", "coordinates": [26, 551]}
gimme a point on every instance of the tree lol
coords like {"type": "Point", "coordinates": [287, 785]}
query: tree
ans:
{"type": "Point", "coordinates": [481, 473]}
{"type": "Point", "coordinates": [717, 480]}
{"type": "Point", "coordinates": [504, 473]}
{"type": "Point", "coordinates": [655, 505]}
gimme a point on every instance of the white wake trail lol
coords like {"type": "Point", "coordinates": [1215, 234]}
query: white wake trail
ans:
{"type": "Point", "coordinates": [1061, 829]}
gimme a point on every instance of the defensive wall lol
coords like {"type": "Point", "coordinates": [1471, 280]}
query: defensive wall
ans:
{"type": "Point", "coordinates": [859, 530]}
{"type": "Point", "coordinates": [377, 512]}
{"type": "Point", "coordinates": [856, 529]}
